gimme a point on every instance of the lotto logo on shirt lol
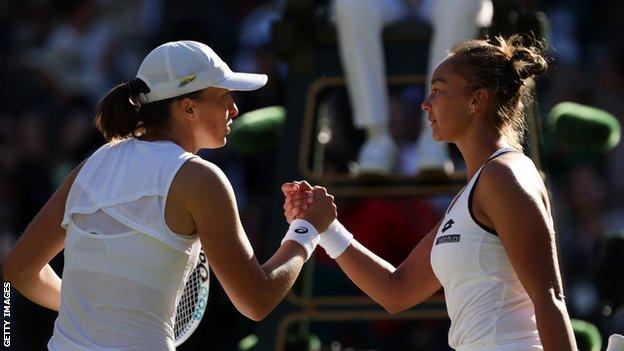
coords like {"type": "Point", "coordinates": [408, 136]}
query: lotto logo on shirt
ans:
{"type": "Point", "coordinates": [444, 239]}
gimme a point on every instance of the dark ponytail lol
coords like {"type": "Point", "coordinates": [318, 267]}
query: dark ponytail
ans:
{"type": "Point", "coordinates": [120, 115]}
{"type": "Point", "coordinates": [117, 114]}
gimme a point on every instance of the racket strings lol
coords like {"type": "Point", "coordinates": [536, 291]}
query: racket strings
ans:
{"type": "Point", "coordinates": [188, 303]}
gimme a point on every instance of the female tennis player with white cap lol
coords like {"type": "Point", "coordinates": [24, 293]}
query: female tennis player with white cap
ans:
{"type": "Point", "coordinates": [132, 216]}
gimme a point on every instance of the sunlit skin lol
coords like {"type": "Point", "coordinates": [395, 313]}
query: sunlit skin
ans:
{"type": "Point", "coordinates": [200, 123]}
{"type": "Point", "coordinates": [215, 113]}
{"type": "Point", "coordinates": [461, 115]}
{"type": "Point", "coordinates": [447, 104]}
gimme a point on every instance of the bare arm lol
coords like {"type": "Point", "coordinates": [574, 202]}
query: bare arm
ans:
{"type": "Point", "coordinates": [253, 288]}
{"type": "Point", "coordinates": [395, 289]}
{"type": "Point", "coordinates": [529, 239]}
{"type": "Point", "coordinates": [26, 266]}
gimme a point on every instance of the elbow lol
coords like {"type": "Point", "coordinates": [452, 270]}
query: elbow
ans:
{"type": "Point", "coordinates": [18, 272]}
{"type": "Point", "coordinates": [10, 269]}
{"type": "Point", "coordinates": [393, 301]}
{"type": "Point", "coordinates": [256, 316]}
{"type": "Point", "coordinates": [393, 308]}
{"type": "Point", "coordinates": [396, 303]}
{"type": "Point", "coordinates": [7, 272]}
{"type": "Point", "coordinates": [393, 304]}
{"type": "Point", "coordinates": [253, 303]}
{"type": "Point", "coordinates": [256, 313]}
{"type": "Point", "coordinates": [256, 308]}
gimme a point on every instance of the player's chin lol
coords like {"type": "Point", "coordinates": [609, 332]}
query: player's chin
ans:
{"type": "Point", "coordinates": [224, 139]}
{"type": "Point", "coordinates": [439, 137]}
{"type": "Point", "coordinates": [436, 136]}
{"type": "Point", "coordinates": [215, 144]}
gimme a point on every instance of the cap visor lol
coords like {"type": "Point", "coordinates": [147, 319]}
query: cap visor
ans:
{"type": "Point", "coordinates": [243, 81]}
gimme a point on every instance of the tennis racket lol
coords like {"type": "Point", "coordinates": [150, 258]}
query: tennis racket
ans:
{"type": "Point", "coordinates": [193, 301]}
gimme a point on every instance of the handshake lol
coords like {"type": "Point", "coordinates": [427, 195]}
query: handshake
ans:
{"type": "Point", "coordinates": [310, 211]}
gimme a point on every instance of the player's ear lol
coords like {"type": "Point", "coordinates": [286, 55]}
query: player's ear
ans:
{"type": "Point", "coordinates": [479, 100]}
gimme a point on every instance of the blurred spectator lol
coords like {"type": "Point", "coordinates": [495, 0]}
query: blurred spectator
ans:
{"type": "Point", "coordinates": [74, 60]}
{"type": "Point", "coordinates": [256, 54]}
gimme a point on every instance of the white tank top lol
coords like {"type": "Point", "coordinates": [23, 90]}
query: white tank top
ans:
{"type": "Point", "coordinates": [488, 306]}
{"type": "Point", "coordinates": [124, 268]}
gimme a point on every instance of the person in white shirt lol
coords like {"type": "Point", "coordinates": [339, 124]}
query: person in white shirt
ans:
{"type": "Point", "coordinates": [132, 216]}
{"type": "Point", "coordinates": [494, 252]}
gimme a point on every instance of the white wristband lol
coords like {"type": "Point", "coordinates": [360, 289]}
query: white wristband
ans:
{"type": "Point", "coordinates": [304, 233]}
{"type": "Point", "coordinates": [336, 239]}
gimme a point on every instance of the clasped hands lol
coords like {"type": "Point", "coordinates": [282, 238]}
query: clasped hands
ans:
{"type": "Point", "coordinates": [312, 204]}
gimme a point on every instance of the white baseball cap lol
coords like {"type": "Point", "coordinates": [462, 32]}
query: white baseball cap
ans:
{"type": "Point", "coordinates": [180, 67]}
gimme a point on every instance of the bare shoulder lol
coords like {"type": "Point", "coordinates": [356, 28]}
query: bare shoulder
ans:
{"type": "Point", "coordinates": [511, 195]}
{"type": "Point", "coordinates": [511, 172]}
{"type": "Point", "coordinates": [199, 180]}
{"type": "Point", "coordinates": [198, 170]}
{"type": "Point", "coordinates": [201, 175]}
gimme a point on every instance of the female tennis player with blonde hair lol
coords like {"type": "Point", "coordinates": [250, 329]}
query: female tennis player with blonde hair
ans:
{"type": "Point", "coordinates": [132, 216]}
{"type": "Point", "coordinates": [494, 251]}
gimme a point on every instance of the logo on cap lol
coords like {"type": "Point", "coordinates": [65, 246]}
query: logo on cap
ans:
{"type": "Point", "coordinates": [301, 230]}
{"type": "Point", "coordinates": [186, 80]}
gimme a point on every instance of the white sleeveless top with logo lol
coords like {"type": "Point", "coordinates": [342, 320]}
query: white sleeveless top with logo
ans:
{"type": "Point", "coordinates": [488, 306]}
{"type": "Point", "coordinates": [124, 268]}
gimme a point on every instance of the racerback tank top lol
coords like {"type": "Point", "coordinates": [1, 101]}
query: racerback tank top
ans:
{"type": "Point", "coordinates": [124, 268]}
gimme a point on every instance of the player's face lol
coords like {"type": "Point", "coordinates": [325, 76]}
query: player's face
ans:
{"type": "Point", "coordinates": [216, 110]}
{"type": "Point", "coordinates": [447, 104]}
